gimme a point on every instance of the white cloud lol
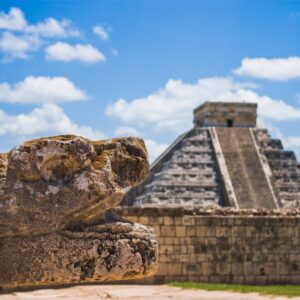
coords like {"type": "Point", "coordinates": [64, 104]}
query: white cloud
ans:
{"type": "Point", "coordinates": [128, 131]}
{"type": "Point", "coordinates": [15, 20]}
{"type": "Point", "coordinates": [101, 32]}
{"type": "Point", "coordinates": [20, 38]}
{"type": "Point", "coordinates": [170, 108]}
{"type": "Point", "coordinates": [280, 69]}
{"type": "Point", "coordinates": [14, 46]}
{"type": "Point", "coordinates": [49, 119]}
{"type": "Point", "coordinates": [51, 27]}
{"type": "Point", "coordinates": [292, 141]}
{"type": "Point", "coordinates": [41, 90]}
{"type": "Point", "coordinates": [66, 52]}
{"type": "Point", "coordinates": [154, 149]}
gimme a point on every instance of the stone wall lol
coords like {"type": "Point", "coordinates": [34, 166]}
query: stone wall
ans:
{"type": "Point", "coordinates": [223, 245]}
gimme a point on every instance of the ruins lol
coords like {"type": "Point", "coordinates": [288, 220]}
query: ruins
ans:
{"type": "Point", "coordinates": [55, 224]}
{"type": "Point", "coordinates": [224, 200]}
{"type": "Point", "coordinates": [224, 160]}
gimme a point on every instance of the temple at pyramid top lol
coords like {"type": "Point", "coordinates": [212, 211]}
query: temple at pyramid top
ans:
{"type": "Point", "coordinates": [224, 160]}
{"type": "Point", "coordinates": [226, 114]}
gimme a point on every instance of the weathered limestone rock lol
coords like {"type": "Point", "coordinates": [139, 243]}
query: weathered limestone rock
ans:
{"type": "Point", "coordinates": [54, 226]}
{"type": "Point", "coordinates": [93, 253]}
{"type": "Point", "coordinates": [56, 182]}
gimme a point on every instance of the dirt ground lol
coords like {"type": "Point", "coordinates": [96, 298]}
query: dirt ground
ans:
{"type": "Point", "coordinates": [131, 292]}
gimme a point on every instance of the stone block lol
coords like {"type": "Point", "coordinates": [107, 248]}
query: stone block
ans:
{"type": "Point", "coordinates": [174, 269]}
{"type": "Point", "coordinates": [261, 280]}
{"type": "Point", "coordinates": [201, 231]}
{"type": "Point", "coordinates": [169, 241]}
{"type": "Point", "coordinates": [190, 249]}
{"type": "Point", "coordinates": [168, 231]}
{"type": "Point", "coordinates": [188, 220]}
{"type": "Point", "coordinates": [155, 220]}
{"type": "Point", "coordinates": [180, 231]}
{"type": "Point", "coordinates": [190, 231]}
{"type": "Point", "coordinates": [144, 220]}
{"type": "Point", "coordinates": [237, 268]}
{"type": "Point", "coordinates": [220, 231]}
{"type": "Point", "coordinates": [162, 269]}
{"type": "Point", "coordinates": [156, 229]}
{"type": "Point", "coordinates": [133, 219]}
{"type": "Point", "coordinates": [281, 268]}
{"type": "Point", "coordinates": [192, 268]}
{"type": "Point", "coordinates": [248, 268]}
{"type": "Point", "coordinates": [166, 249]}
{"type": "Point", "coordinates": [201, 258]}
{"type": "Point", "coordinates": [223, 268]}
{"type": "Point", "coordinates": [208, 269]}
{"type": "Point", "coordinates": [211, 231]}
{"type": "Point", "coordinates": [178, 220]}
{"type": "Point", "coordinates": [168, 220]}
{"type": "Point", "coordinates": [184, 258]}
{"type": "Point", "coordinates": [296, 279]}
{"type": "Point", "coordinates": [238, 279]}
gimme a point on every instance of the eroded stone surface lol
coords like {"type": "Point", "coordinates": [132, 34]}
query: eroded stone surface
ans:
{"type": "Point", "coordinates": [50, 183]}
{"type": "Point", "coordinates": [55, 227]}
{"type": "Point", "coordinates": [94, 253]}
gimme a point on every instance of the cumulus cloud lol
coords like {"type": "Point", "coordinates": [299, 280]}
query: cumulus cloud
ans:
{"type": "Point", "coordinates": [66, 52]}
{"type": "Point", "coordinates": [292, 141]}
{"type": "Point", "coordinates": [154, 149]}
{"type": "Point", "coordinates": [127, 131]}
{"type": "Point", "coordinates": [101, 32]}
{"type": "Point", "coordinates": [41, 90]}
{"type": "Point", "coordinates": [49, 119]}
{"type": "Point", "coordinates": [170, 108]}
{"type": "Point", "coordinates": [14, 46]}
{"type": "Point", "coordinates": [279, 69]}
{"type": "Point", "coordinates": [51, 27]}
{"type": "Point", "coordinates": [15, 20]}
{"type": "Point", "coordinates": [20, 38]}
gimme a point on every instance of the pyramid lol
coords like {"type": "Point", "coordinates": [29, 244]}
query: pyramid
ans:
{"type": "Point", "coordinates": [224, 160]}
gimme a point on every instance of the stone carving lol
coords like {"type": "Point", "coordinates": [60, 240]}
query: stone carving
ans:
{"type": "Point", "coordinates": [54, 226]}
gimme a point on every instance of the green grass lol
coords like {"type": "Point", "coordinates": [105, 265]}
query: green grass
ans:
{"type": "Point", "coordinates": [276, 290]}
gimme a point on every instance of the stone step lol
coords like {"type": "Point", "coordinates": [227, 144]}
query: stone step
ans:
{"type": "Point", "coordinates": [245, 169]}
{"type": "Point", "coordinates": [183, 172]}
{"type": "Point", "coordinates": [185, 197]}
{"type": "Point", "coordinates": [195, 149]}
{"type": "Point", "coordinates": [197, 184]}
{"type": "Point", "coordinates": [280, 155]}
{"type": "Point", "coordinates": [186, 177]}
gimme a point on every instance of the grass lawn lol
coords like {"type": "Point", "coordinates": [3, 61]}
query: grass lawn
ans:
{"type": "Point", "coordinates": [276, 290]}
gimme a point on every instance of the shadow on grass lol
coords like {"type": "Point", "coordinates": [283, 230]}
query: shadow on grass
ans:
{"type": "Point", "coordinates": [275, 290]}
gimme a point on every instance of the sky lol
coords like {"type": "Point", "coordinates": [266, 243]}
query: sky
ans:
{"type": "Point", "coordinates": [103, 69]}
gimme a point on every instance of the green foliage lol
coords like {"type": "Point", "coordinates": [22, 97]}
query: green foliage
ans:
{"type": "Point", "coordinates": [277, 290]}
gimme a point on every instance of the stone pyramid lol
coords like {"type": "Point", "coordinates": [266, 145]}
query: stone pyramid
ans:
{"type": "Point", "coordinates": [224, 160]}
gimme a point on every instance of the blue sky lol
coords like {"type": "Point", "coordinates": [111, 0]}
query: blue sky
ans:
{"type": "Point", "coordinates": [111, 68]}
